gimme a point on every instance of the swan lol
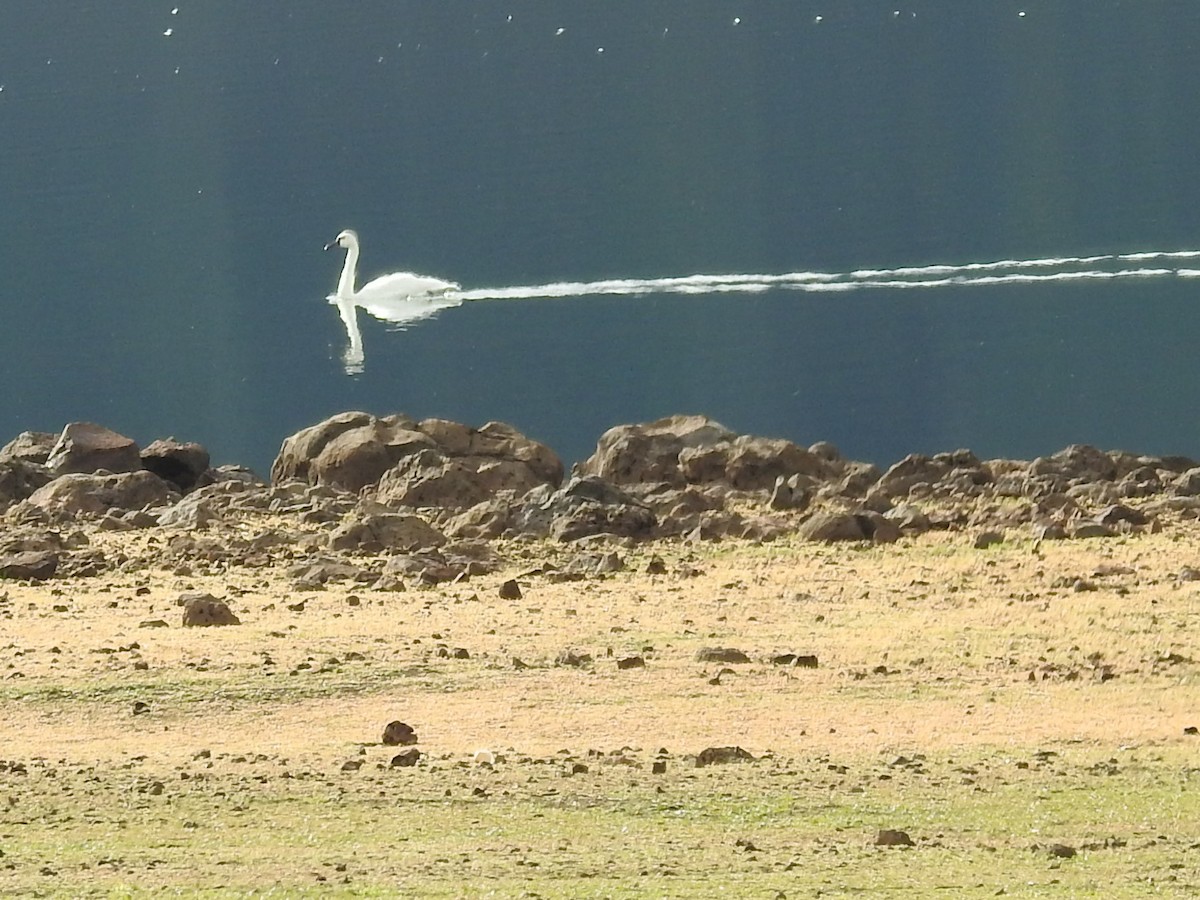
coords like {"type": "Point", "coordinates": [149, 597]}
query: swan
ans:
{"type": "Point", "coordinates": [400, 298]}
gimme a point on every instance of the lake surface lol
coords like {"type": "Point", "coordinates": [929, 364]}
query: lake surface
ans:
{"type": "Point", "coordinates": [169, 173]}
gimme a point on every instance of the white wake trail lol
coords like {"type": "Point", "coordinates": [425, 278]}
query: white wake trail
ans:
{"type": "Point", "coordinates": [977, 274]}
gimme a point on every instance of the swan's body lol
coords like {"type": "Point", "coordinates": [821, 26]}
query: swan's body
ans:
{"type": "Point", "coordinates": [399, 298]}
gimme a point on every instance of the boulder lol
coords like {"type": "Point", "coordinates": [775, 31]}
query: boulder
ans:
{"type": "Point", "coordinates": [1076, 463]}
{"type": "Point", "coordinates": [398, 734]}
{"type": "Point", "coordinates": [394, 532]}
{"type": "Point", "coordinates": [585, 506]}
{"type": "Point", "coordinates": [349, 450]}
{"type": "Point", "coordinates": [84, 447]}
{"type": "Point", "coordinates": [30, 565]}
{"type": "Point", "coordinates": [650, 452]}
{"type": "Point", "coordinates": [755, 462]}
{"type": "Point", "coordinates": [914, 469]}
{"type": "Point", "coordinates": [193, 511]}
{"type": "Point", "coordinates": [96, 495]}
{"type": "Point", "coordinates": [431, 479]}
{"type": "Point", "coordinates": [488, 519]}
{"type": "Point", "coordinates": [440, 463]}
{"type": "Point", "coordinates": [202, 610]}
{"type": "Point", "coordinates": [183, 465]}
{"type": "Point", "coordinates": [832, 526]}
{"type": "Point", "coordinates": [19, 479]}
{"type": "Point", "coordinates": [30, 447]}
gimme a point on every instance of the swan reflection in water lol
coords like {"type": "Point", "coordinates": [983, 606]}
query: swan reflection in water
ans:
{"type": "Point", "coordinates": [400, 298]}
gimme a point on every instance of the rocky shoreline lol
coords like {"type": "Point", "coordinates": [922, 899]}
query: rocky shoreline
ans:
{"type": "Point", "coordinates": [389, 500]}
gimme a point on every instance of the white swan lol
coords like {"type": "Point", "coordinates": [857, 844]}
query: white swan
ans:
{"type": "Point", "coordinates": [400, 298]}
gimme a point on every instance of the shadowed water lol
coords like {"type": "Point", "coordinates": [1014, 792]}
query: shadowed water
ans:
{"type": "Point", "coordinates": [170, 174]}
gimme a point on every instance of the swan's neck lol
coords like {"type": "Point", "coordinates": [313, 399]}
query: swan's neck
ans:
{"type": "Point", "coordinates": [346, 282]}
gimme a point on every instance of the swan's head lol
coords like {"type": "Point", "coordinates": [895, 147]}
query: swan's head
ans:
{"type": "Point", "coordinates": [346, 239]}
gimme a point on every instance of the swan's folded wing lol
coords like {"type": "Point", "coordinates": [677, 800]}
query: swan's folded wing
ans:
{"type": "Point", "coordinates": [403, 310]}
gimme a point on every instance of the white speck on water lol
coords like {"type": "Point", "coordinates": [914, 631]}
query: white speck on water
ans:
{"type": "Point", "coordinates": [1021, 14]}
{"type": "Point", "coordinates": [168, 32]}
{"type": "Point", "coordinates": [737, 20]}
{"type": "Point", "coordinates": [175, 11]}
{"type": "Point", "coordinates": [560, 31]}
{"type": "Point", "coordinates": [818, 20]}
{"type": "Point", "coordinates": [177, 70]}
{"type": "Point", "coordinates": [510, 17]}
{"type": "Point", "coordinates": [379, 60]}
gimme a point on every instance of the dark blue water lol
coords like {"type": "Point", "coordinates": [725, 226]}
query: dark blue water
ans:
{"type": "Point", "coordinates": [164, 200]}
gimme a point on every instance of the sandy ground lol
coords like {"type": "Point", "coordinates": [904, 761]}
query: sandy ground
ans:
{"type": "Point", "coordinates": [928, 644]}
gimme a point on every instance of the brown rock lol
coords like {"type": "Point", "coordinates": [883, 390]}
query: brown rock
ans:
{"type": "Point", "coordinates": [755, 463]}
{"type": "Point", "coordinates": [631, 662]}
{"type": "Point", "coordinates": [720, 755]}
{"type": "Point", "coordinates": [397, 733]}
{"type": "Point", "coordinates": [721, 655]}
{"type": "Point", "coordinates": [85, 448]}
{"type": "Point", "coordinates": [510, 590]}
{"type": "Point", "coordinates": [392, 532]}
{"type": "Point", "coordinates": [19, 479]}
{"type": "Point", "coordinates": [649, 453]}
{"type": "Point", "coordinates": [182, 465]}
{"type": "Point", "coordinates": [97, 495]}
{"type": "Point", "coordinates": [29, 447]}
{"type": "Point", "coordinates": [201, 610]}
{"type": "Point", "coordinates": [30, 565]}
{"type": "Point", "coordinates": [832, 526]}
{"type": "Point", "coordinates": [406, 758]}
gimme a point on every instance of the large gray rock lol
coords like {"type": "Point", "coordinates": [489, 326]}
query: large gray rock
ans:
{"type": "Point", "coordinates": [29, 565]}
{"type": "Point", "coordinates": [431, 479]}
{"type": "Point", "coordinates": [84, 447]}
{"type": "Point", "coordinates": [583, 507]}
{"type": "Point", "coordinates": [183, 465]}
{"type": "Point", "coordinates": [349, 450]}
{"type": "Point", "coordinates": [440, 463]}
{"type": "Point", "coordinates": [1076, 463]}
{"type": "Point", "coordinates": [650, 452]}
{"type": "Point", "coordinates": [755, 462]}
{"type": "Point", "coordinates": [19, 479]}
{"type": "Point", "coordinates": [30, 447]}
{"type": "Point", "coordinates": [96, 495]}
{"type": "Point", "coordinates": [375, 533]}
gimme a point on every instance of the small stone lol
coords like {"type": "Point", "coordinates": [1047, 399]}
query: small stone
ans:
{"type": "Point", "coordinates": [1191, 729]}
{"type": "Point", "coordinates": [153, 623]}
{"type": "Point", "coordinates": [206, 610]}
{"type": "Point", "coordinates": [659, 766]}
{"type": "Point", "coordinates": [1062, 851]}
{"type": "Point", "coordinates": [987, 539]}
{"type": "Point", "coordinates": [631, 662]}
{"type": "Point", "coordinates": [888, 837]}
{"type": "Point", "coordinates": [721, 755]}
{"type": "Point", "coordinates": [32, 565]}
{"type": "Point", "coordinates": [352, 765]}
{"type": "Point", "coordinates": [406, 758]}
{"type": "Point", "coordinates": [140, 707]}
{"type": "Point", "coordinates": [398, 733]}
{"type": "Point", "coordinates": [721, 655]}
{"type": "Point", "coordinates": [579, 769]}
{"type": "Point", "coordinates": [510, 590]}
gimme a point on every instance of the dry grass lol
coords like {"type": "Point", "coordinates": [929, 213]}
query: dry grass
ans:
{"type": "Point", "coordinates": [926, 651]}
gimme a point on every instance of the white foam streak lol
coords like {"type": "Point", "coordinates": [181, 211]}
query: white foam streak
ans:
{"type": "Point", "coordinates": [999, 272]}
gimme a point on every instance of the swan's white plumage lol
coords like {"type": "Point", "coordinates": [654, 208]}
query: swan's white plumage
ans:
{"type": "Point", "coordinates": [399, 298]}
